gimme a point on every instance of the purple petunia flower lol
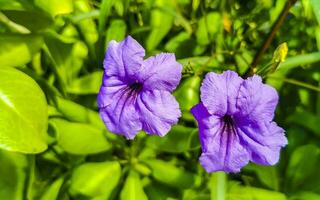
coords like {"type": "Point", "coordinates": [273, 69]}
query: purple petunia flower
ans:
{"type": "Point", "coordinates": [235, 122]}
{"type": "Point", "coordinates": [136, 94]}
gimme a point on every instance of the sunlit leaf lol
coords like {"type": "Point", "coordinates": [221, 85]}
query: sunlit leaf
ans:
{"type": "Point", "coordinates": [23, 116]}
{"type": "Point", "coordinates": [178, 140]}
{"type": "Point", "coordinates": [95, 179]}
{"type": "Point", "coordinates": [55, 7]}
{"type": "Point", "coordinates": [12, 175]}
{"type": "Point", "coordinates": [17, 50]}
{"type": "Point", "coordinates": [52, 191]}
{"type": "Point", "coordinates": [171, 175]}
{"type": "Point", "coordinates": [79, 138]}
{"type": "Point", "coordinates": [238, 192]}
{"type": "Point", "coordinates": [88, 84]}
{"type": "Point", "coordinates": [133, 188]}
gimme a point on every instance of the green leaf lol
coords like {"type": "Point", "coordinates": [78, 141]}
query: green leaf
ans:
{"type": "Point", "coordinates": [206, 31]}
{"type": "Point", "coordinates": [171, 175]}
{"type": "Point", "coordinates": [310, 122]}
{"type": "Point", "coordinates": [55, 7]}
{"type": "Point", "coordinates": [88, 84]}
{"type": "Point", "coordinates": [12, 175]}
{"type": "Point", "coordinates": [302, 164]}
{"type": "Point", "coordinates": [133, 189]}
{"type": "Point", "coordinates": [35, 21]}
{"type": "Point", "coordinates": [87, 25]}
{"type": "Point", "coordinates": [23, 116]}
{"type": "Point", "coordinates": [160, 22]}
{"type": "Point", "coordinates": [316, 8]}
{"type": "Point", "coordinates": [116, 30]}
{"type": "Point", "coordinates": [158, 191]}
{"type": "Point", "coordinates": [17, 50]}
{"type": "Point", "coordinates": [52, 191]}
{"type": "Point", "coordinates": [245, 193]}
{"type": "Point", "coordinates": [178, 140]}
{"type": "Point", "coordinates": [79, 138]}
{"type": "Point", "coordinates": [78, 113]}
{"type": "Point", "coordinates": [95, 179]}
{"type": "Point", "coordinates": [305, 196]}
{"type": "Point", "coordinates": [105, 8]}
{"type": "Point", "coordinates": [266, 174]}
{"type": "Point", "coordinates": [67, 56]}
{"type": "Point", "coordinates": [187, 93]}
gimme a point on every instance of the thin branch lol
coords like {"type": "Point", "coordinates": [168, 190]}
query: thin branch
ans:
{"type": "Point", "coordinates": [276, 26]}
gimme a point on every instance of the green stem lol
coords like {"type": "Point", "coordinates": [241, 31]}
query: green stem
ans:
{"type": "Point", "coordinates": [295, 82]}
{"type": "Point", "coordinates": [13, 26]}
{"type": "Point", "coordinates": [270, 37]}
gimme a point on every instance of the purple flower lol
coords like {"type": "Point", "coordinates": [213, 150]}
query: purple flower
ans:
{"type": "Point", "coordinates": [235, 122]}
{"type": "Point", "coordinates": [135, 94]}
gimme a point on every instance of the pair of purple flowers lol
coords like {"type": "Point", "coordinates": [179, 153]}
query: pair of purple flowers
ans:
{"type": "Point", "coordinates": [234, 115]}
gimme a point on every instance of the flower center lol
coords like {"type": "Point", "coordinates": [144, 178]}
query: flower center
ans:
{"type": "Point", "coordinates": [136, 86]}
{"type": "Point", "coordinates": [228, 119]}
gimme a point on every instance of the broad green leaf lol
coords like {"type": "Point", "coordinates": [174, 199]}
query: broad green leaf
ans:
{"type": "Point", "coordinates": [188, 95]}
{"type": "Point", "coordinates": [160, 22]}
{"type": "Point", "coordinates": [116, 31]}
{"type": "Point", "coordinates": [316, 8]}
{"type": "Point", "coordinates": [35, 21]}
{"type": "Point", "coordinates": [87, 26]}
{"type": "Point", "coordinates": [79, 138]}
{"type": "Point", "coordinates": [67, 56]}
{"type": "Point", "coordinates": [55, 7]}
{"type": "Point", "coordinates": [105, 8]}
{"type": "Point", "coordinates": [305, 196]}
{"type": "Point", "coordinates": [178, 140]}
{"type": "Point", "coordinates": [52, 191]}
{"type": "Point", "coordinates": [266, 174]}
{"type": "Point", "coordinates": [302, 164]}
{"type": "Point", "coordinates": [88, 84]}
{"type": "Point", "coordinates": [171, 175]}
{"type": "Point", "coordinates": [12, 173]}
{"type": "Point", "coordinates": [251, 193]}
{"type": "Point", "coordinates": [310, 122]}
{"type": "Point", "coordinates": [95, 179]}
{"type": "Point", "coordinates": [217, 186]}
{"type": "Point", "coordinates": [17, 50]}
{"type": "Point", "coordinates": [78, 113]}
{"type": "Point", "coordinates": [23, 116]}
{"type": "Point", "coordinates": [206, 31]}
{"type": "Point", "coordinates": [158, 191]}
{"type": "Point", "coordinates": [133, 188]}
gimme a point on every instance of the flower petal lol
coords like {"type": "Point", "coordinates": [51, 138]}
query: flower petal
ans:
{"type": "Point", "coordinates": [123, 59]}
{"type": "Point", "coordinates": [158, 111]}
{"type": "Point", "coordinates": [117, 109]}
{"type": "Point", "coordinates": [256, 101]}
{"type": "Point", "coordinates": [263, 144]}
{"type": "Point", "coordinates": [160, 72]}
{"type": "Point", "coordinates": [219, 92]}
{"type": "Point", "coordinates": [221, 147]}
{"type": "Point", "coordinates": [109, 88]}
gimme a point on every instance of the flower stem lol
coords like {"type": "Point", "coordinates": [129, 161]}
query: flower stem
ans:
{"type": "Point", "coordinates": [276, 26]}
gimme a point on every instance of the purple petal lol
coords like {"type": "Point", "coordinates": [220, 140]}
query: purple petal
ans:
{"type": "Point", "coordinates": [123, 59]}
{"type": "Point", "coordinates": [219, 92]}
{"type": "Point", "coordinates": [160, 72]}
{"type": "Point", "coordinates": [109, 87]}
{"type": "Point", "coordinates": [256, 101]}
{"type": "Point", "coordinates": [221, 147]}
{"type": "Point", "coordinates": [117, 108]}
{"type": "Point", "coordinates": [263, 142]}
{"type": "Point", "coordinates": [158, 111]}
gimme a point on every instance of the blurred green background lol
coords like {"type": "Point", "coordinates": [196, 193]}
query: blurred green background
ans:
{"type": "Point", "coordinates": [54, 144]}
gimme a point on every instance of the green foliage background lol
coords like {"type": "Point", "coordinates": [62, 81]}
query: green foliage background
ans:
{"type": "Point", "coordinates": [54, 145]}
